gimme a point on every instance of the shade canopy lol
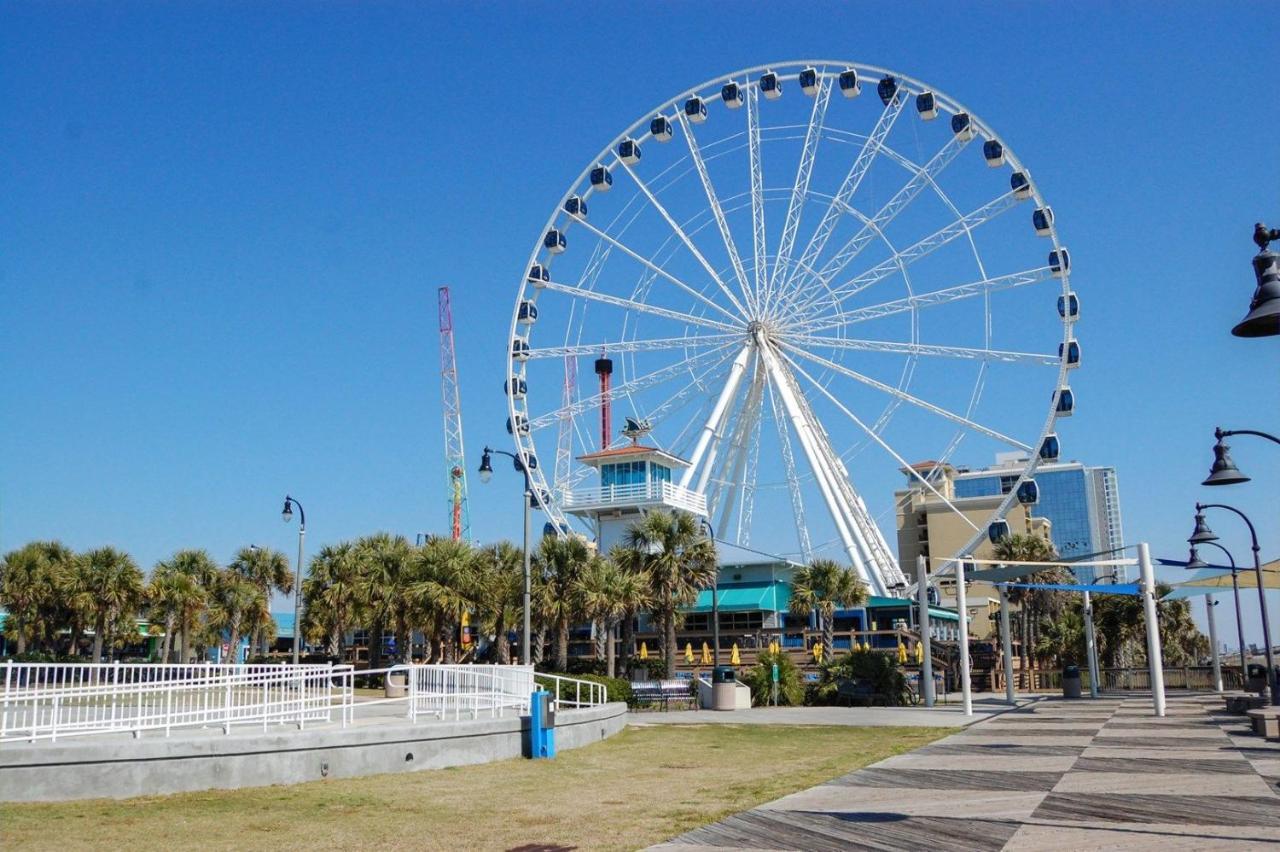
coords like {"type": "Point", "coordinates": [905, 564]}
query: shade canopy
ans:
{"type": "Point", "coordinates": [1096, 588]}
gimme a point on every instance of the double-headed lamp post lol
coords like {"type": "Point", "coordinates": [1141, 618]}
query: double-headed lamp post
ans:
{"type": "Point", "coordinates": [287, 515]}
{"type": "Point", "coordinates": [486, 473]}
{"type": "Point", "coordinates": [1203, 534]}
{"type": "Point", "coordinates": [1195, 563]}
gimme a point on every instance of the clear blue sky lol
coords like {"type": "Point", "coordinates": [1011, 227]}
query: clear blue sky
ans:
{"type": "Point", "coordinates": [222, 226]}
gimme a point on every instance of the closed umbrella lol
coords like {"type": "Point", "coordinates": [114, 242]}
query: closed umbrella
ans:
{"type": "Point", "coordinates": [902, 652]}
{"type": "Point", "coordinates": [706, 654]}
{"type": "Point", "coordinates": [733, 657]}
{"type": "Point", "coordinates": [644, 651]}
{"type": "Point", "coordinates": [919, 653]}
{"type": "Point", "coordinates": [688, 652]}
{"type": "Point", "coordinates": [817, 652]}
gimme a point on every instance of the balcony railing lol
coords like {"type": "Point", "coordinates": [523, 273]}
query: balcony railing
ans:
{"type": "Point", "coordinates": [639, 493]}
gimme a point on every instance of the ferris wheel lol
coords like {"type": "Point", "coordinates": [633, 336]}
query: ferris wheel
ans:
{"type": "Point", "coordinates": [802, 280]}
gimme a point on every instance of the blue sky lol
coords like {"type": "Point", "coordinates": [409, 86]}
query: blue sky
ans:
{"type": "Point", "coordinates": [224, 225]}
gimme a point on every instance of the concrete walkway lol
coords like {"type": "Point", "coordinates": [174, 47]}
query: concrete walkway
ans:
{"type": "Point", "coordinates": [1102, 774]}
{"type": "Point", "coordinates": [941, 715]}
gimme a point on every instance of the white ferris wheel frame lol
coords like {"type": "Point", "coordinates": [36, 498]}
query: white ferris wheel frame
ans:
{"type": "Point", "coordinates": [775, 366]}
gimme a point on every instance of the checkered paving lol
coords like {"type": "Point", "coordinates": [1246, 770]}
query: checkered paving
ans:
{"type": "Point", "coordinates": [1057, 774]}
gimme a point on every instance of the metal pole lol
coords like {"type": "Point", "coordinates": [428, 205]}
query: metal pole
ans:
{"type": "Point", "coordinates": [962, 609]}
{"type": "Point", "coordinates": [1209, 605]}
{"type": "Point", "coordinates": [715, 604]}
{"type": "Point", "coordinates": [1091, 645]}
{"type": "Point", "coordinates": [1235, 587]}
{"type": "Point", "coordinates": [1266, 627]}
{"type": "Point", "coordinates": [926, 662]}
{"type": "Point", "coordinates": [525, 657]}
{"type": "Point", "coordinates": [297, 597]}
{"type": "Point", "coordinates": [1155, 660]}
{"type": "Point", "coordinates": [1007, 642]}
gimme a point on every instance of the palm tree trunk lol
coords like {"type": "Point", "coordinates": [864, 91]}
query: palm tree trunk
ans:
{"type": "Point", "coordinates": [562, 644]}
{"type": "Point", "coordinates": [828, 633]}
{"type": "Point", "coordinates": [22, 641]}
{"type": "Point", "coordinates": [1023, 659]}
{"type": "Point", "coordinates": [234, 644]}
{"type": "Point", "coordinates": [166, 644]}
{"type": "Point", "coordinates": [500, 638]}
{"type": "Point", "coordinates": [610, 665]}
{"type": "Point", "coordinates": [669, 625]}
{"type": "Point", "coordinates": [99, 628]}
{"type": "Point", "coordinates": [628, 635]}
{"type": "Point", "coordinates": [186, 640]}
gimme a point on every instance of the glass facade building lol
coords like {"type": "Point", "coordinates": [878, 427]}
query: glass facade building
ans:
{"type": "Point", "coordinates": [1081, 503]}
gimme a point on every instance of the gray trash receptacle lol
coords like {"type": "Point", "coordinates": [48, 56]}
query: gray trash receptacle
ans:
{"type": "Point", "coordinates": [1070, 681]}
{"type": "Point", "coordinates": [396, 684]}
{"type": "Point", "coordinates": [724, 686]}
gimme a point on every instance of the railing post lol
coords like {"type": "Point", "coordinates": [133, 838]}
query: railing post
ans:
{"type": "Point", "coordinates": [4, 710]}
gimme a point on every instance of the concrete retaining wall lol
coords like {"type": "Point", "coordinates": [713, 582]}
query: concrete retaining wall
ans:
{"type": "Point", "coordinates": [119, 766]}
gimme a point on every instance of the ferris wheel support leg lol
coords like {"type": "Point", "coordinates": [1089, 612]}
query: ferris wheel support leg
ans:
{"type": "Point", "coordinates": [821, 473]}
{"type": "Point", "coordinates": [712, 425]}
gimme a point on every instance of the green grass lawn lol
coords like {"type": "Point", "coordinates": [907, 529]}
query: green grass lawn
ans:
{"type": "Point", "coordinates": [644, 785]}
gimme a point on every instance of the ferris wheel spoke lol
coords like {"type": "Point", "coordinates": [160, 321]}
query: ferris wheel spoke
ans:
{"type": "Point", "coordinates": [922, 178]}
{"type": "Point", "coordinates": [633, 345]}
{"type": "Point", "coordinates": [875, 436]}
{"type": "Point", "coordinates": [734, 469]}
{"type": "Point", "coordinates": [684, 238]}
{"type": "Point", "coordinates": [926, 349]}
{"type": "Point", "coordinates": [704, 361]}
{"type": "Point", "coordinates": [840, 203]}
{"type": "Point", "coordinates": [635, 305]}
{"type": "Point", "coordinates": [961, 226]}
{"type": "Point", "coordinates": [938, 297]}
{"type": "Point", "coordinates": [749, 479]}
{"type": "Point", "coordinates": [695, 152]}
{"type": "Point", "coordinates": [644, 261]}
{"type": "Point", "coordinates": [902, 395]}
{"type": "Point", "coordinates": [793, 479]}
{"type": "Point", "coordinates": [758, 235]}
{"type": "Point", "coordinates": [800, 189]}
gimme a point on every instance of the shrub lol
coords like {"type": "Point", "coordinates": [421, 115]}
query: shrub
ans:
{"type": "Point", "coordinates": [656, 667]}
{"type": "Point", "coordinates": [791, 692]}
{"type": "Point", "coordinates": [617, 688]}
{"type": "Point", "coordinates": [879, 669]}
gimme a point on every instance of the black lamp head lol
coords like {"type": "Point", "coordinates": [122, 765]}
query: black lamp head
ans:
{"type": "Point", "coordinates": [1194, 562]}
{"type": "Point", "coordinates": [1224, 470]}
{"type": "Point", "coordinates": [486, 466]}
{"type": "Point", "coordinates": [1263, 319]}
{"type": "Point", "coordinates": [287, 513]}
{"type": "Point", "coordinates": [1201, 533]}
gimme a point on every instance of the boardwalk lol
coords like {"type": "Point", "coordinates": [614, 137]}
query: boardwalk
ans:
{"type": "Point", "coordinates": [1055, 775]}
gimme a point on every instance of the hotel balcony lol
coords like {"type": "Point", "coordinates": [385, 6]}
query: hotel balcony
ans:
{"type": "Point", "coordinates": [638, 495]}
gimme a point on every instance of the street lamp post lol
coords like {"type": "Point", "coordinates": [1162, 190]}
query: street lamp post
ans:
{"type": "Point", "coordinates": [715, 601]}
{"type": "Point", "coordinates": [1203, 534]}
{"type": "Point", "coordinates": [1196, 563]}
{"type": "Point", "coordinates": [486, 473]}
{"type": "Point", "coordinates": [287, 515]}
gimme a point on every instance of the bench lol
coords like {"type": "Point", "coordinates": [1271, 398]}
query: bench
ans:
{"type": "Point", "coordinates": [1242, 704]}
{"type": "Point", "coordinates": [1265, 722]}
{"type": "Point", "coordinates": [664, 692]}
{"type": "Point", "coordinates": [860, 691]}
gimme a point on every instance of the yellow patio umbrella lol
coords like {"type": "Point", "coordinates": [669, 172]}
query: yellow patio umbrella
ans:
{"type": "Point", "coordinates": [706, 654]}
{"type": "Point", "coordinates": [734, 659]}
{"type": "Point", "coordinates": [644, 651]}
{"type": "Point", "coordinates": [902, 652]}
{"type": "Point", "coordinates": [919, 652]}
{"type": "Point", "coordinates": [873, 627]}
{"type": "Point", "coordinates": [817, 652]}
{"type": "Point", "coordinates": [773, 647]}
{"type": "Point", "coordinates": [688, 652]}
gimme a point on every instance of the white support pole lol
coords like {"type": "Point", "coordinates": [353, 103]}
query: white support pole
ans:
{"type": "Point", "coordinates": [926, 662]}
{"type": "Point", "coordinates": [1155, 660]}
{"type": "Point", "coordinates": [712, 425]}
{"type": "Point", "coordinates": [1006, 642]}
{"type": "Point", "coordinates": [1209, 605]}
{"type": "Point", "coordinates": [962, 609]}
{"type": "Point", "coordinates": [1091, 646]}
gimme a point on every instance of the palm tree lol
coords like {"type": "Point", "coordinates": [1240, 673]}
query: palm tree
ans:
{"type": "Point", "coordinates": [443, 587]}
{"type": "Point", "coordinates": [561, 561]}
{"type": "Point", "coordinates": [175, 598]}
{"type": "Point", "coordinates": [1016, 548]}
{"type": "Point", "coordinates": [678, 559]}
{"type": "Point", "coordinates": [499, 580]}
{"type": "Point", "coordinates": [236, 605]}
{"type": "Point", "coordinates": [332, 594]}
{"type": "Point", "coordinates": [31, 581]}
{"type": "Point", "coordinates": [385, 573]}
{"type": "Point", "coordinates": [605, 590]}
{"type": "Point", "coordinates": [199, 565]}
{"type": "Point", "coordinates": [106, 588]}
{"type": "Point", "coordinates": [823, 586]}
{"type": "Point", "coordinates": [269, 570]}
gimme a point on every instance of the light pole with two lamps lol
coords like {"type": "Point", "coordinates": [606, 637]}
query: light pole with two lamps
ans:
{"type": "Point", "coordinates": [1195, 563]}
{"type": "Point", "coordinates": [1203, 534]}
{"type": "Point", "coordinates": [287, 515]}
{"type": "Point", "coordinates": [486, 473]}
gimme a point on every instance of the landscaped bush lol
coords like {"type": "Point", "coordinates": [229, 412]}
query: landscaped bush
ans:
{"type": "Point", "coordinates": [655, 667]}
{"type": "Point", "coordinates": [760, 678]}
{"type": "Point", "coordinates": [879, 669]}
{"type": "Point", "coordinates": [617, 688]}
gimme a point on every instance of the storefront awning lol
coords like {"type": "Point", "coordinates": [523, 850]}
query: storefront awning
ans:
{"type": "Point", "coordinates": [746, 597]}
{"type": "Point", "coordinates": [877, 602]}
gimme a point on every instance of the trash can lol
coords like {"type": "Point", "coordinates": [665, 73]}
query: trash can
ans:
{"type": "Point", "coordinates": [396, 684]}
{"type": "Point", "coordinates": [1256, 678]}
{"type": "Point", "coordinates": [1070, 681]}
{"type": "Point", "coordinates": [724, 686]}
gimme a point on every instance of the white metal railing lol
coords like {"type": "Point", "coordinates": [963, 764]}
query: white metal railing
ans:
{"type": "Point", "coordinates": [47, 701]}
{"type": "Point", "coordinates": [640, 492]}
{"type": "Point", "coordinates": [573, 692]}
